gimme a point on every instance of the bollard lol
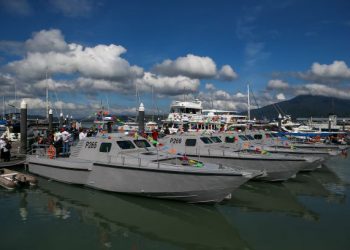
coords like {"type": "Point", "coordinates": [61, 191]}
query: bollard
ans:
{"type": "Point", "coordinates": [50, 122]}
{"type": "Point", "coordinates": [61, 121]}
{"type": "Point", "coordinates": [141, 118]}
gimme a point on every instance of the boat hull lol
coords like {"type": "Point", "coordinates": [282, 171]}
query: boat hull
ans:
{"type": "Point", "coordinates": [184, 186]}
{"type": "Point", "coordinates": [187, 186]}
{"type": "Point", "coordinates": [72, 173]}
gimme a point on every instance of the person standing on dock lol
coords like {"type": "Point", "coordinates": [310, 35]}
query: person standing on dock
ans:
{"type": "Point", "coordinates": [65, 139]}
{"type": "Point", "coordinates": [82, 134]}
{"type": "Point", "coordinates": [2, 145]}
{"type": "Point", "coordinates": [7, 151]}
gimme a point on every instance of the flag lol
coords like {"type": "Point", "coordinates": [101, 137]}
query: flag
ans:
{"type": "Point", "coordinates": [172, 151]}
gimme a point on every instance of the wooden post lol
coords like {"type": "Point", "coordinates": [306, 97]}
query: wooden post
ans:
{"type": "Point", "coordinates": [23, 127]}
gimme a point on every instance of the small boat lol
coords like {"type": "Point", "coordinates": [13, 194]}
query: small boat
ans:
{"type": "Point", "coordinates": [10, 179]}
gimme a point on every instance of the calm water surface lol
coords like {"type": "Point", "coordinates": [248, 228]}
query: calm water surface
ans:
{"type": "Point", "coordinates": [309, 212]}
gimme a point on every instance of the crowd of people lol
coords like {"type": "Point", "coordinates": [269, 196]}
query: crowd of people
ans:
{"type": "Point", "coordinates": [61, 139]}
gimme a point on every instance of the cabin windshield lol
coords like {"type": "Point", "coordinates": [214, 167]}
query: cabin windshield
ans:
{"type": "Point", "coordinates": [105, 147]}
{"type": "Point", "coordinates": [216, 139]}
{"type": "Point", "coordinates": [184, 110]}
{"type": "Point", "coordinates": [190, 142]}
{"type": "Point", "coordinates": [142, 143]}
{"type": "Point", "coordinates": [257, 136]}
{"type": "Point", "coordinates": [230, 139]}
{"type": "Point", "coordinates": [243, 138]}
{"type": "Point", "coordinates": [125, 144]}
{"type": "Point", "coordinates": [251, 138]}
{"type": "Point", "coordinates": [206, 140]}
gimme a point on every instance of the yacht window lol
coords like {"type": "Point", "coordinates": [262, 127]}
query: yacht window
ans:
{"type": "Point", "coordinates": [243, 138]}
{"type": "Point", "coordinates": [206, 140]}
{"type": "Point", "coordinates": [125, 144]}
{"type": "Point", "coordinates": [190, 142]}
{"type": "Point", "coordinates": [105, 147]}
{"type": "Point", "coordinates": [142, 143]}
{"type": "Point", "coordinates": [258, 136]}
{"type": "Point", "coordinates": [215, 139]}
{"type": "Point", "coordinates": [251, 138]}
{"type": "Point", "coordinates": [230, 139]}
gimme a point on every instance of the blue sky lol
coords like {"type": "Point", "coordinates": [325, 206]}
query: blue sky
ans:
{"type": "Point", "coordinates": [102, 50]}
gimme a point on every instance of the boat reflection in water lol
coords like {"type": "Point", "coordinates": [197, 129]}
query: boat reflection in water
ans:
{"type": "Point", "coordinates": [321, 183]}
{"type": "Point", "coordinates": [270, 197]}
{"type": "Point", "coordinates": [148, 221]}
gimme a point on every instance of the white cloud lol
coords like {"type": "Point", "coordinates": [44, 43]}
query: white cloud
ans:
{"type": "Point", "coordinates": [53, 85]}
{"type": "Point", "coordinates": [322, 90]}
{"type": "Point", "coordinates": [12, 47]}
{"type": "Point", "coordinates": [191, 66]}
{"type": "Point", "coordinates": [49, 53]}
{"type": "Point", "coordinates": [46, 41]}
{"type": "Point", "coordinates": [240, 95]}
{"type": "Point", "coordinates": [338, 69]}
{"type": "Point", "coordinates": [20, 7]}
{"type": "Point", "coordinates": [255, 52]}
{"type": "Point", "coordinates": [277, 84]}
{"type": "Point", "coordinates": [164, 85]}
{"type": "Point", "coordinates": [209, 86]}
{"type": "Point", "coordinates": [226, 73]}
{"type": "Point", "coordinates": [220, 99]}
{"type": "Point", "coordinates": [221, 94]}
{"type": "Point", "coordinates": [73, 8]}
{"type": "Point", "coordinates": [280, 97]}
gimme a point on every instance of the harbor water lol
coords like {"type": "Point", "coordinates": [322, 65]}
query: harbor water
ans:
{"type": "Point", "coordinates": [311, 211]}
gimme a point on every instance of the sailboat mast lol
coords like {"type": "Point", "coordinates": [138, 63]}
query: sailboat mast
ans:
{"type": "Point", "coordinates": [47, 98]}
{"type": "Point", "coordinates": [3, 107]}
{"type": "Point", "coordinates": [152, 105]}
{"type": "Point", "coordinates": [248, 102]}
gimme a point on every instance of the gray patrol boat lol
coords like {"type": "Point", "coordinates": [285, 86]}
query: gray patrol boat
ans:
{"type": "Point", "coordinates": [125, 164]}
{"type": "Point", "coordinates": [201, 147]}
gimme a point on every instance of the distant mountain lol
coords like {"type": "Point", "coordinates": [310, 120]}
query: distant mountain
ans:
{"type": "Point", "coordinates": [305, 106]}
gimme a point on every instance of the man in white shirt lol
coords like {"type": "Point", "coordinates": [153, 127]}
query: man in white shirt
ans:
{"type": "Point", "coordinates": [82, 135]}
{"type": "Point", "coordinates": [65, 139]}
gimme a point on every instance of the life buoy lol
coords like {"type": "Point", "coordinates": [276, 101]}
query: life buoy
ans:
{"type": "Point", "coordinates": [51, 152]}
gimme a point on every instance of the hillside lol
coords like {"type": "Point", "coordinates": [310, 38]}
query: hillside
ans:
{"type": "Point", "coordinates": [305, 106]}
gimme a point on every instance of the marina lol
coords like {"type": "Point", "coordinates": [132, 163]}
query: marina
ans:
{"type": "Point", "coordinates": [289, 215]}
{"type": "Point", "coordinates": [195, 125]}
